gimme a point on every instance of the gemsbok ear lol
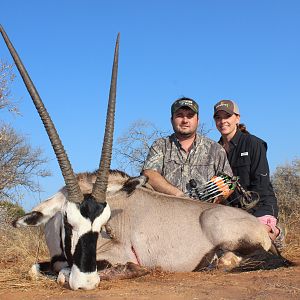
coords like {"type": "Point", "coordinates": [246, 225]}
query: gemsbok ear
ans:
{"type": "Point", "coordinates": [133, 183]}
{"type": "Point", "coordinates": [42, 213]}
{"type": "Point", "coordinates": [34, 218]}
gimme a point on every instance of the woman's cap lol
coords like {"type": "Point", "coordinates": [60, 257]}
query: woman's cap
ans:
{"type": "Point", "coordinates": [227, 105]}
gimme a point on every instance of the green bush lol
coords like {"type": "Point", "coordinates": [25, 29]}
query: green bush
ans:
{"type": "Point", "coordinates": [10, 211]}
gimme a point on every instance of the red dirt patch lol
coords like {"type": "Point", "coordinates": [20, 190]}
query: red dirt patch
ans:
{"type": "Point", "coordinates": [283, 283]}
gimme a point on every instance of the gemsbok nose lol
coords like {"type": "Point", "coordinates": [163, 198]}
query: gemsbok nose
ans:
{"type": "Point", "coordinates": [84, 281]}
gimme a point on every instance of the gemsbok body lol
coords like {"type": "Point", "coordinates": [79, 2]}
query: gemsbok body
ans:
{"type": "Point", "coordinates": [105, 219]}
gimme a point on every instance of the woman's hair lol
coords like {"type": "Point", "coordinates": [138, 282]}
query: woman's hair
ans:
{"type": "Point", "coordinates": [242, 128]}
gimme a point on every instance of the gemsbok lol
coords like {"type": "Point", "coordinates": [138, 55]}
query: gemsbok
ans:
{"type": "Point", "coordinates": [99, 221]}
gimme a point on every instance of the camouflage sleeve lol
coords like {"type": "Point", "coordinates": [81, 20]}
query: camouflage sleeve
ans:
{"type": "Point", "coordinates": [155, 158]}
{"type": "Point", "coordinates": [222, 163]}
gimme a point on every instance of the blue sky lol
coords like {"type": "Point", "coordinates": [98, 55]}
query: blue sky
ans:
{"type": "Point", "coordinates": [246, 50]}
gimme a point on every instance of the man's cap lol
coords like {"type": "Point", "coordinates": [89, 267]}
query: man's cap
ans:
{"type": "Point", "coordinates": [227, 105]}
{"type": "Point", "coordinates": [185, 102]}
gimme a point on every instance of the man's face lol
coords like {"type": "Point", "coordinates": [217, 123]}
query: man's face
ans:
{"type": "Point", "coordinates": [185, 122]}
{"type": "Point", "coordinates": [226, 123]}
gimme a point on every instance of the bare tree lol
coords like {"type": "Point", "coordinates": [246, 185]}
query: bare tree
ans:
{"type": "Point", "coordinates": [133, 146]}
{"type": "Point", "coordinates": [7, 76]}
{"type": "Point", "coordinates": [286, 182]}
{"type": "Point", "coordinates": [19, 164]}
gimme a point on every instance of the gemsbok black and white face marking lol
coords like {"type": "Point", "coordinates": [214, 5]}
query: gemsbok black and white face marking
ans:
{"type": "Point", "coordinates": [81, 226]}
{"type": "Point", "coordinates": [82, 215]}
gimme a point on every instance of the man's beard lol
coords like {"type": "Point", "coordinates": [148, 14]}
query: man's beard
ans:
{"type": "Point", "coordinates": [185, 134]}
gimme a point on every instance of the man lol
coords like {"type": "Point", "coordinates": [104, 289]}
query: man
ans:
{"type": "Point", "coordinates": [247, 155]}
{"type": "Point", "coordinates": [174, 160]}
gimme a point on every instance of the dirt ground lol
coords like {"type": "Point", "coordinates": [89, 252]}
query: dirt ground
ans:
{"type": "Point", "coordinates": [283, 283]}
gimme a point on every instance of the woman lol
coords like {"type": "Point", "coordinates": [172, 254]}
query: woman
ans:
{"type": "Point", "coordinates": [247, 156]}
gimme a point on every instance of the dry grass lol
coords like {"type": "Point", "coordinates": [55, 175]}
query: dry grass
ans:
{"type": "Point", "coordinates": [21, 248]}
{"type": "Point", "coordinates": [289, 216]}
{"type": "Point", "coordinates": [292, 249]}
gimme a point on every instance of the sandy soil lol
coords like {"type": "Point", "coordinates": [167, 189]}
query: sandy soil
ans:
{"type": "Point", "coordinates": [283, 283]}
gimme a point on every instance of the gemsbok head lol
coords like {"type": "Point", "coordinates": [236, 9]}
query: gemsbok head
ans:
{"type": "Point", "coordinates": [83, 215]}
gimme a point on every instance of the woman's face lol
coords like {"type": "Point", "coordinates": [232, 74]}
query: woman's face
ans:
{"type": "Point", "coordinates": [226, 123]}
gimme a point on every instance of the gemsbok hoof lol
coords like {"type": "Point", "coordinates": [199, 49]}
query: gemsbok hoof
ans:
{"type": "Point", "coordinates": [34, 272]}
{"type": "Point", "coordinates": [229, 261]}
{"type": "Point", "coordinates": [63, 277]}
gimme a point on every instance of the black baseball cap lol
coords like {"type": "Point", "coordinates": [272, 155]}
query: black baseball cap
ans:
{"type": "Point", "coordinates": [188, 102]}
